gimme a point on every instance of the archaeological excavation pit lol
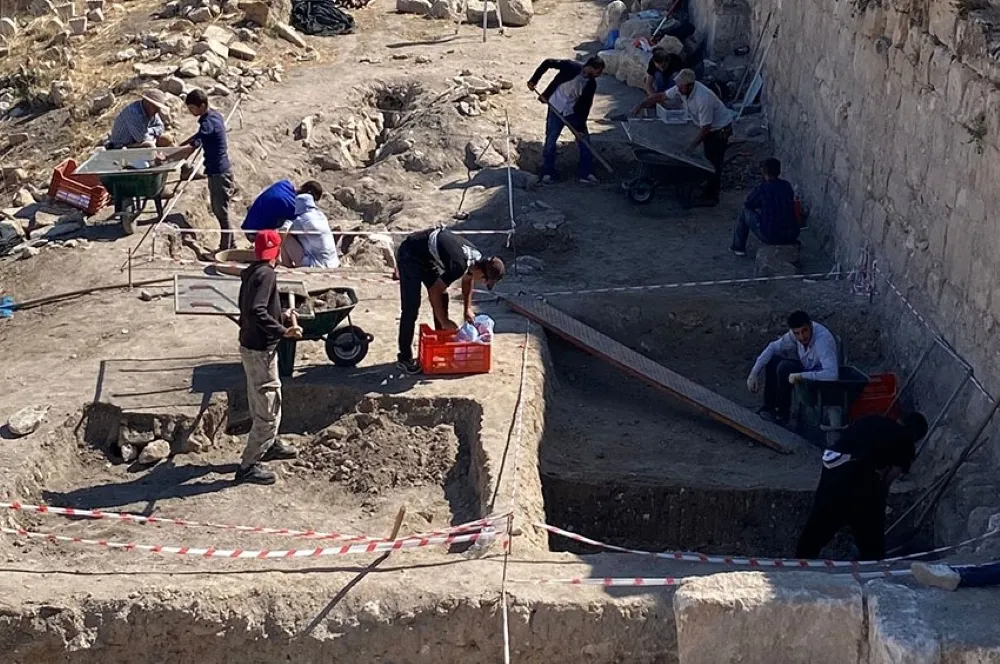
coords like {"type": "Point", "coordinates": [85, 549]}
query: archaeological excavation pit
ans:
{"type": "Point", "coordinates": [628, 464]}
{"type": "Point", "coordinates": [360, 460]}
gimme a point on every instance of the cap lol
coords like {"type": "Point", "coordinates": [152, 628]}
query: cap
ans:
{"type": "Point", "coordinates": [157, 99]}
{"type": "Point", "coordinates": [267, 245]}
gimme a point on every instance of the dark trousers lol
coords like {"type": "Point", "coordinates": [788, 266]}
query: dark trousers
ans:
{"type": "Point", "coordinates": [977, 576]}
{"type": "Point", "coordinates": [747, 221]}
{"type": "Point", "coordinates": [410, 281]}
{"type": "Point", "coordinates": [777, 391]}
{"type": "Point", "coordinates": [553, 128]}
{"type": "Point", "coordinates": [846, 496]}
{"type": "Point", "coordinates": [715, 144]}
{"type": "Point", "coordinates": [220, 190]}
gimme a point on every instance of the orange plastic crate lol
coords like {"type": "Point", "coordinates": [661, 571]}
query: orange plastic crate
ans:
{"type": "Point", "coordinates": [441, 354]}
{"type": "Point", "coordinates": [878, 395]}
{"type": "Point", "coordinates": [84, 192]}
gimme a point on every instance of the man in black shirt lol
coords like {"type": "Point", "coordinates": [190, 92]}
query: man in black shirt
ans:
{"type": "Point", "coordinates": [854, 486]}
{"type": "Point", "coordinates": [261, 329]}
{"type": "Point", "coordinates": [661, 70]}
{"type": "Point", "coordinates": [436, 258]}
{"type": "Point", "coordinates": [769, 211]}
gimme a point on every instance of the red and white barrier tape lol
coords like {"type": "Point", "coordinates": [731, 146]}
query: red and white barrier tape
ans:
{"type": "Point", "coordinates": [638, 581]}
{"type": "Point", "coordinates": [743, 561]}
{"type": "Point", "coordinates": [258, 530]}
{"type": "Point", "coordinates": [263, 554]}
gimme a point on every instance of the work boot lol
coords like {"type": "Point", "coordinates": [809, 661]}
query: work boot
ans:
{"type": "Point", "coordinates": [279, 451]}
{"type": "Point", "coordinates": [410, 366]}
{"type": "Point", "coordinates": [255, 474]}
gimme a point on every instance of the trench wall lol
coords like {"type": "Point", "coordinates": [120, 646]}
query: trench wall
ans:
{"type": "Point", "coordinates": [886, 116]}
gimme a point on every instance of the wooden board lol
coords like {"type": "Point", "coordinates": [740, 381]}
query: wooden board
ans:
{"type": "Point", "coordinates": [688, 392]}
{"type": "Point", "coordinates": [220, 296]}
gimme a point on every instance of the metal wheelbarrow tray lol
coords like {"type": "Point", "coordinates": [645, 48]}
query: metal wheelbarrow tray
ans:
{"type": "Point", "coordinates": [660, 149]}
{"type": "Point", "coordinates": [131, 188]}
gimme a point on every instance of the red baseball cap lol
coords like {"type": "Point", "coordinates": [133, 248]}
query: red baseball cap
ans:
{"type": "Point", "coordinates": [267, 245]}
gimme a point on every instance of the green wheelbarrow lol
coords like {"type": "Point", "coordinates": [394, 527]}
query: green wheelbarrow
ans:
{"type": "Point", "coordinates": [345, 346]}
{"type": "Point", "coordinates": [132, 179]}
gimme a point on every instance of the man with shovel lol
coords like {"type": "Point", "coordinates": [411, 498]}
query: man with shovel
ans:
{"type": "Point", "coordinates": [569, 97]}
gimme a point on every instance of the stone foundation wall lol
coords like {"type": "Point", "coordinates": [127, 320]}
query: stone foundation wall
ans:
{"type": "Point", "coordinates": [725, 24]}
{"type": "Point", "coordinates": [886, 115]}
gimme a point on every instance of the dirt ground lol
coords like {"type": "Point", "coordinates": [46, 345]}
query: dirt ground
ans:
{"type": "Point", "coordinates": [139, 357]}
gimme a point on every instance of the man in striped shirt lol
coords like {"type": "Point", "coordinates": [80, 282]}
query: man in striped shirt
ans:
{"type": "Point", "coordinates": [140, 125]}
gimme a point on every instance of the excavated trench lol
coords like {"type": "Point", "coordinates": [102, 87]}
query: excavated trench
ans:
{"type": "Point", "coordinates": [627, 464]}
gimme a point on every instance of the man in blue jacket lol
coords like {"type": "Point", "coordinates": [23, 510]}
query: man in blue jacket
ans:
{"type": "Point", "coordinates": [571, 95]}
{"type": "Point", "coordinates": [769, 211]}
{"type": "Point", "coordinates": [275, 206]}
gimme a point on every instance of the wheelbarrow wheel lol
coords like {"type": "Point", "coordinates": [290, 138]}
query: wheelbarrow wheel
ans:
{"type": "Point", "coordinates": [347, 346]}
{"type": "Point", "coordinates": [641, 190]}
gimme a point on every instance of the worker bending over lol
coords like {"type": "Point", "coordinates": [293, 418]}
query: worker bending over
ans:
{"type": "Point", "coordinates": [854, 485]}
{"type": "Point", "coordinates": [710, 115]}
{"type": "Point", "coordinates": [808, 351]}
{"type": "Point", "coordinates": [436, 258]}
{"type": "Point", "coordinates": [275, 206]}
{"type": "Point", "coordinates": [261, 328]}
{"type": "Point", "coordinates": [660, 71]}
{"type": "Point", "coordinates": [140, 124]}
{"type": "Point", "coordinates": [307, 240]}
{"type": "Point", "coordinates": [570, 95]}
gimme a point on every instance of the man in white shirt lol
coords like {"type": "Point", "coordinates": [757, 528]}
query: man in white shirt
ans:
{"type": "Point", "coordinates": [808, 351]}
{"type": "Point", "coordinates": [308, 240]}
{"type": "Point", "coordinates": [714, 120]}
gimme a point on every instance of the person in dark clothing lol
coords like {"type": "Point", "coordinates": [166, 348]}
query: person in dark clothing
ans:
{"type": "Point", "coordinates": [571, 95]}
{"type": "Point", "coordinates": [436, 258]}
{"type": "Point", "coordinates": [660, 71]}
{"type": "Point", "coordinates": [951, 577]}
{"type": "Point", "coordinates": [261, 329]}
{"type": "Point", "coordinates": [854, 485]}
{"type": "Point", "coordinates": [211, 138]}
{"type": "Point", "coordinates": [769, 211]}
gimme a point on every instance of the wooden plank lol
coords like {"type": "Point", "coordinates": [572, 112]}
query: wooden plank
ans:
{"type": "Point", "coordinates": [688, 392]}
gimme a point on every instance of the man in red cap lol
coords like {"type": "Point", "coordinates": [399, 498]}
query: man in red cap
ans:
{"type": "Point", "coordinates": [261, 329]}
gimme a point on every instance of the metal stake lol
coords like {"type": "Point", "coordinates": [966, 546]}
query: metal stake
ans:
{"type": "Point", "coordinates": [944, 411]}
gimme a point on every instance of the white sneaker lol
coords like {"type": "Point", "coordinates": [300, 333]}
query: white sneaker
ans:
{"type": "Point", "coordinates": [590, 179]}
{"type": "Point", "coordinates": [939, 576]}
{"type": "Point", "coordinates": [547, 179]}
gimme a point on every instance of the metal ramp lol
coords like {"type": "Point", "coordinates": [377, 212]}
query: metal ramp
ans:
{"type": "Point", "coordinates": [688, 392]}
{"type": "Point", "coordinates": [198, 294]}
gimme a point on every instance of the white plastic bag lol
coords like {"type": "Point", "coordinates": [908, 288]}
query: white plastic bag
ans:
{"type": "Point", "coordinates": [484, 325]}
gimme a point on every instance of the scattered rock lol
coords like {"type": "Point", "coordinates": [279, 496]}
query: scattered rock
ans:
{"type": "Point", "coordinates": [337, 159]}
{"type": "Point", "coordinates": [128, 453]}
{"type": "Point", "coordinates": [424, 59]}
{"type": "Point", "coordinates": [201, 15]}
{"type": "Point", "coordinates": [95, 16]}
{"type": "Point", "coordinates": [474, 13]}
{"type": "Point", "coordinates": [189, 68]}
{"type": "Point", "coordinates": [219, 34]}
{"type": "Point", "coordinates": [210, 46]}
{"type": "Point", "coordinates": [180, 25]}
{"type": "Point", "coordinates": [66, 10]}
{"type": "Point", "coordinates": [8, 27]}
{"type": "Point", "coordinates": [23, 198]}
{"type": "Point", "coordinates": [516, 13]}
{"type": "Point", "coordinates": [446, 9]}
{"type": "Point", "coordinates": [26, 420]}
{"type": "Point", "coordinates": [153, 70]}
{"type": "Point", "coordinates": [78, 25]}
{"type": "Point", "coordinates": [41, 7]}
{"type": "Point", "coordinates": [48, 27]}
{"type": "Point", "coordinates": [18, 138]}
{"type": "Point", "coordinates": [154, 452]}
{"type": "Point", "coordinates": [62, 229]}
{"type": "Point", "coordinates": [422, 7]}
{"type": "Point", "coordinates": [289, 34]}
{"type": "Point", "coordinates": [101, 103]}
{"type": "Point", "coordinates": [241, 51]}
{"type": "Point", "coordinates": [173, 85]}
{"type": "Point", "coordinates": [528, 265]}
{"type": "Point", "coordinates": [29, 252]}
{"type": "Point", "coordinates": [304, 130]}
{"type": "Point", "coordinates": [176, 44]}
{"type": "Point", "coordinates": [256, 11]}
{"type": "Point", "coordinates": [59, 93]}
{"type": "Point", "coordinates": [219, 91]}
{"type": "Point", "coordinates": [481, 153]}
{"type": "Point", "coordinates": [11, 233]}
{"type": "Point", "coordinates": [127, 55]}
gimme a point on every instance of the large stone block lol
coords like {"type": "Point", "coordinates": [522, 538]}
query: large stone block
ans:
{"type": "Point", "coordinates": [897, 633]}
{"type": "Point", "coordinates": [751, 617]}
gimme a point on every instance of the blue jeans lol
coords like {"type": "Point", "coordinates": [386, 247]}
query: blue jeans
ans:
{"type": "Point", "coordinates": [747, 221]}
{"type": "Point", "coordinates": [662, 82]}
{"type": "Point", "coordinates": [554, 127]}
{"type": "Point", "coordinates": [976, 576]}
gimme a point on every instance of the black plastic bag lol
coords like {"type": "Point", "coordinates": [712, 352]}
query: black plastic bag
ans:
{"type": "Point", "coordinates": [321, 17]}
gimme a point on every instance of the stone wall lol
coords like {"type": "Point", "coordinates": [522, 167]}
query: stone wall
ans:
{"type": "Point", "coordinates": [886, 115]}
{"type": "Point", "coordinates": [725, 24]}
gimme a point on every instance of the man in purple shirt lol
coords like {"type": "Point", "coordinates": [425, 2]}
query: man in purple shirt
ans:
{"type": "Point", "coordinates": [769, 211]}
